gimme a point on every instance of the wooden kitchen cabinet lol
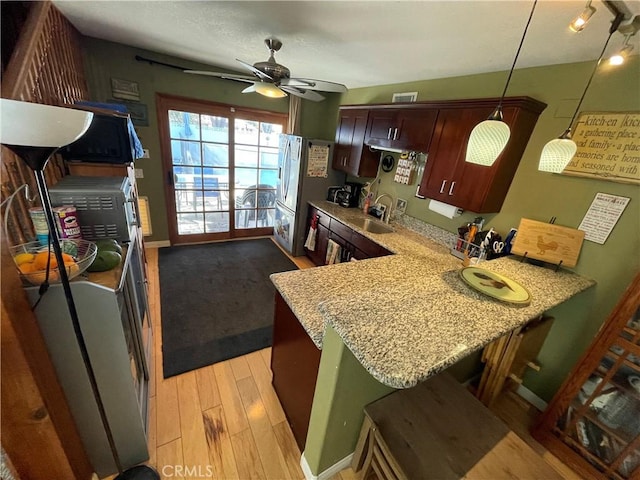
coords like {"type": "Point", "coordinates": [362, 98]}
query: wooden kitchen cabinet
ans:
{"type": "Point", "coordinates": [593, 422]}
{"type": "Point", "coordinates": [450, 179]}
{"type": "Point", "coordinates": [353, 244]}
{"type": "Point", "coordinates": [350, 154]}
{"type": "Point", "coordinates": [408, 129]}
{"type": "Point", "coordinates": [295, 360]}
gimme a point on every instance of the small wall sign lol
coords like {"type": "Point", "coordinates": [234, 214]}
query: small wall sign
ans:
{"type": "Point", "coordinates": [602, 216]}
{"type": "Point", "coordinates": [125, 89]}
{"type": "Point", "coordinates": [608, 147]}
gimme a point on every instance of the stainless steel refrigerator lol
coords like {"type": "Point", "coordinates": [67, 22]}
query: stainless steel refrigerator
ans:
{"type": "Point", "coordinates": [304, 174]}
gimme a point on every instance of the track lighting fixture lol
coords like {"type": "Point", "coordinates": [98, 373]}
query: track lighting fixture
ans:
{"type": "Point", "coordinates": [557, 154]}
{"type": "Point", "coordinates": [581, 20]}
{"type": "Point", "coordinates": [488, 138]}
{"type": "Point", "coordinates": [621, 55]}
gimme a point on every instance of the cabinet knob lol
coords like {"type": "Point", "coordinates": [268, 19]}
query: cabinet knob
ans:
{"type": "Point", "coordinates": [444, 182]}
{"type": "Point", "coordinates": [453, 184]}
{"type": "Point", "coordinates": [395, 133]}
{"type": "Point", "coordinates": [389, 134]}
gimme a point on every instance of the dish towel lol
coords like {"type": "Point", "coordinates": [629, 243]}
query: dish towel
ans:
{"type": "Point", "coordinates": [310, 244]}
{"type": "Point", "coordinates": [333, 253]}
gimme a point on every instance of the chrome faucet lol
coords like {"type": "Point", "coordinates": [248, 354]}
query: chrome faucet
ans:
{"type": "Point", "coordinates": [387, 215]}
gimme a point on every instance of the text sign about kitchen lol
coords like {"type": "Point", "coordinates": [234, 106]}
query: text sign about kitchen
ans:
{"type": "Point", "coordinates": [548, 242]}
{"type": "Point", "coordinates": [608, 147]}
{"type": "Point", "coordinates": [318, 161]}
{"type": "Point", "coordinates": [602, 216]}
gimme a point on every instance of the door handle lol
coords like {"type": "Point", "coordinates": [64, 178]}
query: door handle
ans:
{"type": "Point", "coordinates": [389, 134]}
{"type": "Point", "coordinates": [444, 182]}
{"type": "Point", "coordinates": [453, 184]}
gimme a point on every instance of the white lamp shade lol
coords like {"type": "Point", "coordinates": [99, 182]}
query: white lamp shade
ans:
{"type": "Point", "coordinates": [487, 141]}
{"type": "Point", "coordinates": [38, 125]}
{"type": "Point", "coordinates": [556, 155]}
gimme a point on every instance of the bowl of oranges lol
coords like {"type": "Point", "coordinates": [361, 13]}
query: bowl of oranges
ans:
{"type": "Point", "coordinates": [32, 258]}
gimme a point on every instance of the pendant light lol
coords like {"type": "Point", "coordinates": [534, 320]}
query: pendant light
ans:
{"type": "Point", "coordinates": [557, 154]}
{"type": "Point", "coordinates": [488, 138]}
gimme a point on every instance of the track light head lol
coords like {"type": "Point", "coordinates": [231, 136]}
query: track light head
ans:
{"type": "Point", "coordinates": [578, 23]}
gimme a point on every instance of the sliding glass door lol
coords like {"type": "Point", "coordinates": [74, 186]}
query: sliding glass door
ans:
{"type": "Point", "coordinates": [221, 167]}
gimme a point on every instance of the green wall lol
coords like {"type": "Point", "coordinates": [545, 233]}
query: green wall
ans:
{"type": "Point", "coordinates": [104, 60]}
{"type": "Point", "coordinates": [540, 196]}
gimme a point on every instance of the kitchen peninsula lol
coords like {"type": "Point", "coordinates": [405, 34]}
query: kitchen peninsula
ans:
{"type": "Point", "coordinates": [392, 322]}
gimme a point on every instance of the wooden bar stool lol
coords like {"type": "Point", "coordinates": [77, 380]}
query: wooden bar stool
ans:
{"type": "Point", "coordinates": [438, 430]}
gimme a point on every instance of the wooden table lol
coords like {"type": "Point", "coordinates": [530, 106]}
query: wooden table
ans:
{"type": "Point", "coordinates": [438, 430]}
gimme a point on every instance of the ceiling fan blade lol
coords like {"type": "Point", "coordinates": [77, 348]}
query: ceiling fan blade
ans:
{"type": "Point", "coordinates": [226, 76]}
{"type": "Point", "coordinates": [258, 73]}
{"type": "Point", "coordinates": [306, 94]}
{"type": "Point", "coordinates": [311, 84]}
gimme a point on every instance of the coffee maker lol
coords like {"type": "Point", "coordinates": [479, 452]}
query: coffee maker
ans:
{"type": "Point", "coordinates": [349, 197]}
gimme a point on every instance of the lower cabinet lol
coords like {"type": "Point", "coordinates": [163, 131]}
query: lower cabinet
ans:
{"type": "Point", "coordinates": [353, 244]}
{"type": "Point", "coordinates": [294, 362]}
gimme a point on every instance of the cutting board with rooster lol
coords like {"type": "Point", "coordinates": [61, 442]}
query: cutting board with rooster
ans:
{"type": "Point", "coordinates": [548, 242]}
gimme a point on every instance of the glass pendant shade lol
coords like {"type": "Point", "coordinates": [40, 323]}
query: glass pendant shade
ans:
{"type": "Point", "coordinates": [557, 154]}
{"type": "Point", "coordinates": [487, 141]}
{"type": "Point", "coordinates": [265, 89]}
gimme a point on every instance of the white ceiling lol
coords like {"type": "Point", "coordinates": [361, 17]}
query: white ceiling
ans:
{"type": "Point", "coordinates": [354, 42]}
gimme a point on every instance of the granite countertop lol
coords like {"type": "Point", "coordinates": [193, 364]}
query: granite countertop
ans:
{"type": "Point", "coordinates": [408, 316]}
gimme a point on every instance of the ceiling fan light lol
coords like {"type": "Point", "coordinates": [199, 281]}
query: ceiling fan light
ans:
{"type": "Point", "coordinates": [557, 154]}
{"type": "Point", "coordinates": [487, 141]}
{"type": "Point", "coordinates": [578, 23]}
{"type": "Point", "coordinates": [269, 90]}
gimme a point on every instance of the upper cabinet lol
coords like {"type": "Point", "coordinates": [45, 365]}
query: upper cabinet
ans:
{"type": "Point", "coordinates": [450, 179]}
{"type": "Point", "coordinates": [408, 129]}
{"type": "Point", "coordinates": [350, 154]}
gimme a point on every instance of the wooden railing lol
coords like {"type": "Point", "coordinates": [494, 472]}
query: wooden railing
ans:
{"type": "Point", "coordinates": [38, 431]}
{"type": "Point", "coordinates": [46, 67]}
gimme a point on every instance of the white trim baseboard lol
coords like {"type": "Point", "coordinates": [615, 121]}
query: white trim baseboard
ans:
{"type": "Point", "coordinates": [158, 244]}
{"type": "Point", "coordinates": [329, 472]}
{"type": "Point", "coordinates": [532, 398]}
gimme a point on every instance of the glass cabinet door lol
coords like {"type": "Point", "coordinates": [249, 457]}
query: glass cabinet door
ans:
{"type": "Point", "coordinates": [602, 422]}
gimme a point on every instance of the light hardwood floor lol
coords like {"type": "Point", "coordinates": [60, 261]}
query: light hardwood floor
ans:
{"type": "Point", "coordinates": [225, 420]}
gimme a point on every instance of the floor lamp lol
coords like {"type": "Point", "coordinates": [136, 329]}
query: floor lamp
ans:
{"type": "Point", "coordinates": [34, 132]}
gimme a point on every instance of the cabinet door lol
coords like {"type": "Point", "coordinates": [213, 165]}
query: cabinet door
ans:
{"type": "Point", "coordinates": [415, 129]}
{"type": "Point", "coordinates": [344, 138]}
{"type": "Point", "coordinates": [446, 152]}
{"type": "Point", "coordinates": [381, 127]}
{"type": "Point", "coordinates": [596, 412]}
{"type": "Point", "coordinates": [405, 129]}
{"type": "Point", "coordinates": [351, 156]}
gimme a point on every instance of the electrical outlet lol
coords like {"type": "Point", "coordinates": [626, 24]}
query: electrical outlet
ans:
{"type": "Point", "coordinates": [145, 153]}
{"type": "Point", "coordinates": [139, 173]}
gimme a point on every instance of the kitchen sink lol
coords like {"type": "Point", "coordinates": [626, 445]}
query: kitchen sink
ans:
{"type": "Point", "coordinates": [373, 226]}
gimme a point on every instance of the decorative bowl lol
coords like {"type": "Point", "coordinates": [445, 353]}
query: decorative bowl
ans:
{"type": "Point", "coordinates": [31, 260]}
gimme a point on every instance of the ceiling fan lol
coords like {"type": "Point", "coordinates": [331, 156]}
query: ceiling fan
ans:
{"type": "Point", "coordinates": [274, 80]}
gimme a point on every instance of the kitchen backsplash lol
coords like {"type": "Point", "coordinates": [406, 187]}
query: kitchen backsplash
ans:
{"type": "Point", "coordinates": [436, 234]}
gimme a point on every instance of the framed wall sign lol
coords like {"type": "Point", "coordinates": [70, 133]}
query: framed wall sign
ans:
{"type": "Point", "coordinates": [124, 89]}
{"type": "Point", "coordinates": [608, 147]}
{"type": "Point", "coordinates": [137, 111]}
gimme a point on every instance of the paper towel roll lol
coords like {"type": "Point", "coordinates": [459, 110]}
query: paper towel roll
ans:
{"type": "Point", "coordinates": [444, 209]}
